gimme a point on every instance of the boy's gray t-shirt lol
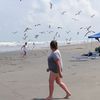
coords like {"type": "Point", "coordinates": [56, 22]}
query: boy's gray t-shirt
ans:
{"type": "Point", "coordinates": [51, 61]}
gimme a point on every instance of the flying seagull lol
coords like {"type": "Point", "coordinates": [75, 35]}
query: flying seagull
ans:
{"type": "Point", "coordinates": [49, 26]}
{"type": "Point", "coordinates": [36, 36]}
{"type": "Point", "coordinates": [50, 5]}
{"type": "Point", "coordinates": [78, 33]}
{"type": "Point", "coordinates": [63, 12]}
{"type": "Point", "coordinates": [92, 15]}
{"type": "Point", "coordinates": [15, 32]}
{"type": "Point", "coordinates": [68, 32]}
{"type": "Point", "coordinates": [75, 19]}
{"type": "Point", "coordinates": [59, 27]}
{"type": "Point", "coordinates": [27, 29]}
{"type": "Point", "coordinates": [78, 13]}
{"type": "Point", "coordinates": [89, 32]}
{"type": "Point", "coordinates": [37, 25]}
{"type": "Point", "coordinates": [42, 32]}
{"type": "Point", "coordinates": [50, 32]}
{"type": "Point", "coordinates": [88, 28]}
{"type": "Point", "coordinates": [24, 38]}
{"type": "Point", "coordinates": [81, 28]}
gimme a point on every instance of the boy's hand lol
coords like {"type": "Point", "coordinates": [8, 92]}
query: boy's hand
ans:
{"type": "Point", "coordinates": [48, 70]}
{"type": "Point", "coordinates": [61, 76]}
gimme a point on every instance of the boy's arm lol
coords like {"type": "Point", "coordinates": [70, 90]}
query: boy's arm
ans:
{"type": "Point", "coordinates": [21, 47]}
{"type": "Point", "coordinates": [59, 67]}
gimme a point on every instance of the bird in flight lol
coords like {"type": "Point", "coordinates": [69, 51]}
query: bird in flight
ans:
{"type": "Point", "coordinates": [92, 15]}
{"type": "Point", "coordinates": [36, 36]}
{"type": "Point", "coordinates": [75, 19]}
{"type": "Point", "coordinates": [63, 12]}
{"type": "Point", "coordinates": [51, 5]}
{"type": "Point", "coordinates": [89, 31]}
{"type": "Point", "coordinates": [15, 32]}
{"type": "Point", "coordinates": [59, 27]}
{"type": "Point", "coordinates": [78, 13]}
{"type": "Point", "coordinates": [49, 26]}
{"type": "Point", "coordinates": [88, 28]}
{"type": "Point", "coordinates": [37, 25]}
{"type": "Point", "coordinates": [68, 32]}
{"type": "Point", "coordinates": [27, 29]}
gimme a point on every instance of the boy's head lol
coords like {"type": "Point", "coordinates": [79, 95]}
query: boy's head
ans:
{"type": "Point", "coordinates": [53, 44]}
{"type": "Point", "coordinates": [25, 43]}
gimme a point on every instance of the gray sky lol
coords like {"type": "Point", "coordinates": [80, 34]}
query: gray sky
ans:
{"type": "Point", "coordinates": [71, 15]}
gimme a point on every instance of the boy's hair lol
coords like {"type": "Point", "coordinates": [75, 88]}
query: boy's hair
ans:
{"type": "Point", "coordinates": [25, 43]}
{"type": "Point", "coordinates": [54, 44]}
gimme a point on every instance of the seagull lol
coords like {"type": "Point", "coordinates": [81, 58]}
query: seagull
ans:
{"type": "Point", "coordinates": [66, 39]}
{"type": "Point", "coordinates": [81, 28]}
{"type": "Point", "coordinates": [41, 32]}
{"type": "Point", "coordinates": [68, 32]}
{"type": "Point", "coordinates": [50, 5]}
{"type": "Point", "coordinates": [59, 27]}
{"type": "Point", "coordinates": [78, 33]}
{"type": "Point", "coordinates": [78, 13]}
{"type": "Point", "coordinates": [33, 44]}
{"type": "Point", "coordinates": [36, 36]}
{"type": "Point", "coordinates": [25, 34]}
{"type": "Point", "coordinates": [58, 35]}
{"type": "Point", "coordinates": [88, 28]}
{"type": "Point", "coordinates": [55, 35]}
{"type": "Point", "coordinates": [75, 19]}
{"type": "Point", "coordinates": [50, 32]}
{"type": "Point", "coordinates": [70, 39]}
{"type": "Point", "coordinates": [25, 37]}
{"type": "Point", "coordinates": [49, 26]}
{"type": "Point", "coordinates": [63, 12]}
{"type": "Point", "coordinates": [92, 15]}
{"type": "Point", "coordinates": [37, 25]}
{"type": "Point", "coordinates": [87, 33]}
{"type": "Point", "coordinates": [15, 32]}
{"type": "Point", "coordinates": [27, 29]}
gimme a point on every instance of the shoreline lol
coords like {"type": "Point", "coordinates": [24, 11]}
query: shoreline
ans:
{"type": "Point", "coordinates": [5, 49]}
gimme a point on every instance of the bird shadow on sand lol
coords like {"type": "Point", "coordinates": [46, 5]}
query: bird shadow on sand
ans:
{"type": "Point", "coordinates": [45, 99]}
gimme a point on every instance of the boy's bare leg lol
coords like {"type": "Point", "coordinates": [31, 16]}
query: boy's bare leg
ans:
{"type": "Point", "coordinates": [63, 86]}
{"type": "Point", "coordinates": [51, 85]}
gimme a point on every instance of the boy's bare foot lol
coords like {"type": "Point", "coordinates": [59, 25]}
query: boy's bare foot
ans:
{"type": "Point", "coordinates": [67, 96]}
{"type": "Point", "coordinates": [48, 98]}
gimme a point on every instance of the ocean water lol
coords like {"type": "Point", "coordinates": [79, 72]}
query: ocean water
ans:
{"type": "Point", "coordinates": [16, 46]}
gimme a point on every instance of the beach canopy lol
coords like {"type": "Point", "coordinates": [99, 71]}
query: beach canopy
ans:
{"type": "Point", "coordinates": [96, 36]}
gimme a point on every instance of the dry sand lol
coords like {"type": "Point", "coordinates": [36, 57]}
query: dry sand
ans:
{"type": "Point", "coordinates": [26, 78]}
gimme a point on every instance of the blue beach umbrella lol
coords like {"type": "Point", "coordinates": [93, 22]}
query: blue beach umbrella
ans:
{"type": "Point", "coordinates": [96, 36]}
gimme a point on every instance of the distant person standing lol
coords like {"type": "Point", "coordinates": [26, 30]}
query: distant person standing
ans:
{"type": "Point", "coordinates": [24, 49]}
{"type": "Point", "coordinates": [55, 68]}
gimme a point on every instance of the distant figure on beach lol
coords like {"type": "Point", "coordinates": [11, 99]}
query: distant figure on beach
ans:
{"type": "Point", "coordinates": [24, 50]}
{"type": "Point", "coordinates": [55, 68]}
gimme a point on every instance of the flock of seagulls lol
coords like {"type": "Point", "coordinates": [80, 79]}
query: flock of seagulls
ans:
{"type": "Point", "coordinates": [56, 33]}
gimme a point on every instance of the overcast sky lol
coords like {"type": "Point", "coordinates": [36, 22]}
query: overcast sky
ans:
{"type": "Point", "coordinates": [70, 15]}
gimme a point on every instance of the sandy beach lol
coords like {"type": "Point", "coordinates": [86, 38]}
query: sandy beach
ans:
{"type": "Point", "coordinates": [26, 78]}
